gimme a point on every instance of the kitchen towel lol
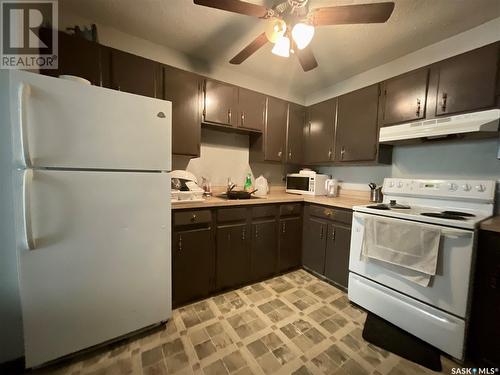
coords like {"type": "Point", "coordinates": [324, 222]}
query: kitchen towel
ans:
{"type": "Point", "coordinates": [412, 248]}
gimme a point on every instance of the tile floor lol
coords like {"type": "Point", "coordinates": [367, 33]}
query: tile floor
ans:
{"type": "Point", "coordinates": [291, 324]}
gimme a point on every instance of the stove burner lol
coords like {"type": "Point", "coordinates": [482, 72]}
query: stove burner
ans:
{"type": "Point", "coordinates": [458, 213]}
{"type": "Point", "coordinates": [379, 207]}
{"type": "Point", "coordinates": [394, 204]}
{"type": "Point", "coordinates": [443, 215]}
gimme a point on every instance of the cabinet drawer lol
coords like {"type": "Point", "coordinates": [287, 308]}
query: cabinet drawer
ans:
{"type": "Point", "coordinates": [290, 209]}
{"type": "Point", "coordinates": [232, 214]}
{"type": "Point", "coordinates": [192, 217]}
{"type": "Point", "coordinates": [329, 213]}
{"type": "Point", "coordinates": [268, 210]}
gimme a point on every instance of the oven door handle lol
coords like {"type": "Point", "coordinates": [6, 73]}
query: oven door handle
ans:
{"type": "Point", "coordinates": [455, 233]}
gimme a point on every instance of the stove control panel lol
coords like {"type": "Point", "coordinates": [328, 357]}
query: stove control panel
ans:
{"type": "Point", "coordinates": [480, 190]}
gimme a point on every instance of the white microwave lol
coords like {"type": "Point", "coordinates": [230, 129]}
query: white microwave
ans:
{"type": "Point", "coordinates": [306, 183]}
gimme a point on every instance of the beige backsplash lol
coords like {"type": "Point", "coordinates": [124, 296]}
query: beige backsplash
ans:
{"type": "Point", "coordinates": [225, 154]}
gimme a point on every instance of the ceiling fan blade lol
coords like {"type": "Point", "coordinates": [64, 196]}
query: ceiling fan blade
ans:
{"type": "Point", "coordinates": [306, 58]}
{"type": "Point", "coordinates": [347, 14]}
{"type": "Point", "coordinates": [235, 6]}
{"type": "Point", "coordinates": [249, 50]}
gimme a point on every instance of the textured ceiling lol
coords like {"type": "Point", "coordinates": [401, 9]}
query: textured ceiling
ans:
{"type": "Point", "coordinates": [215, 36]}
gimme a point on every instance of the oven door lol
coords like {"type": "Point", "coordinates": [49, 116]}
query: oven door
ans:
{"type": "Point", "coordinates": [298, 184]}
{"type": "Point", "coordinates": [448, 289]}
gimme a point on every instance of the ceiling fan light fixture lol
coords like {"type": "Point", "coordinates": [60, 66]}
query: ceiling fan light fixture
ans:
{"type": "Point", "coordinates": [302, 34]}
{"type": "Point", "coordinates": [275, 29]}
{"type": "Point", "coordinates": [282, 47]}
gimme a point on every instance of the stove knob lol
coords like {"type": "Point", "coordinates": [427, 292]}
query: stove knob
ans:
{"type": "Point", "coordinates": [391, 184]}
{"type": "Point", "coordinates": [400, 184]}
{"type": "Point", "coordinates": [452, 186]}
{"type": "Point", "coordinates": [481, 188]}
{"type": "Point", "coordinates": [466, 187]}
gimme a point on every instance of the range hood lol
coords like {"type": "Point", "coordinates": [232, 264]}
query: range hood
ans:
{"type": "Point", "coordinates": [484, 123]}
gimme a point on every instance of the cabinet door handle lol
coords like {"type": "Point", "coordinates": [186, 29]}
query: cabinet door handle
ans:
{"type": "Point", "coordinates": [321, 233]}
{"type": "Point", "coordinates": [290, 154]}
{"type": "Point", "coordinates": [329, 154]}
{"type": "Point", "coordinates": [243, 234]}
{"type": "Point", "coordinates": [333, 233]}
{"type": "Point", "coordinates": [443, 101]}
{"type": "Point", "coordinates": [242, 118]}
{"type": "Point", "coordinates": [280, 153]}
{"type": "Point", "coordinates": [283, 230]}
{"type": "Point", "coordinates": [180, 243]}
{"type": "Point", "coordinates": [417, 112]}
{"type": "Point", "coordinates": [193, 218]}
{"type": "Point", "coordinates": [229, 116]}
{"type": "Point", "coordinates": [256, 232]}
{"type": "Point", "coordinates": [342, 153]}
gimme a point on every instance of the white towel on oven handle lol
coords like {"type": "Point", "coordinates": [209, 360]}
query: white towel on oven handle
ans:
{"type": "Point", "coordinates": [410, 248]}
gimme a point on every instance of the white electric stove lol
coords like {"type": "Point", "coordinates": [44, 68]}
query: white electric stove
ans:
{"type": "Point", "coordinates": [438, 313]}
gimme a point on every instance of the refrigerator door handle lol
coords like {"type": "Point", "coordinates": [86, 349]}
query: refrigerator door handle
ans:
{"type": "Point", "coordinates": [28, 233]}
{"type": "Point", "coordinates": [24, 91]}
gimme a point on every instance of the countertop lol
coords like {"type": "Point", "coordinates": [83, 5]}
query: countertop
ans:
{"type": "Point", "coordinates": [343, 201]}
{"type": "Point", "coordinates": [492, 224]}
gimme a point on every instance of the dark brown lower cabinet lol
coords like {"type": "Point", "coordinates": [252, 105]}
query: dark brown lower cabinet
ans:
{"type": "Point", "coordinates": [264, 249]}
{"type": "Point", "coordinates": [233, 255]}
{"type": "Point", "coordinates": [327, 241]}
{"type": "Point", "coordinates": [290, 238]}
{"type": "Point", "coordinates": [224, 248]}
{"type": "Point", "coordinates": [192, 255]}
{"type": "Point", "coordinates": [313, 252]}
{"type": "Point", "coordinates": [484, 345]}
{"type": "Point", "coordinates": [337, 253]}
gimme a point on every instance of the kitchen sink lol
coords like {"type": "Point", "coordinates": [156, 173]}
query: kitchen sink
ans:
{"type": "Point", "coordinates": [224, 196]}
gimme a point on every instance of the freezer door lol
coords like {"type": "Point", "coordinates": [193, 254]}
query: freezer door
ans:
{"type": "Point", "coordinates": [98, 263]}
{"type": "Point", "coordinates": [66, 124]}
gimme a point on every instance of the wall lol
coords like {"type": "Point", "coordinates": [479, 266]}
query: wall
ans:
{"type": "Point", "coordinates": [11, 334]}
{"type": "Point", "coordinates": [224, 155]}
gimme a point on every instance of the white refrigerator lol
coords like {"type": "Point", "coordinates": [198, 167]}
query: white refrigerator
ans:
{"type": "Point", "coordinates": [91, 193]}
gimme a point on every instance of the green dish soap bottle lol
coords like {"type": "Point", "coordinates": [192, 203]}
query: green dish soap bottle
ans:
{"type": "Point", "coordinates": [248, 182]}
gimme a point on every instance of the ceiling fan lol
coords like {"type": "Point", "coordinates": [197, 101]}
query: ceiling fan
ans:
{"type": "Point", "coordinates": [290, 24]}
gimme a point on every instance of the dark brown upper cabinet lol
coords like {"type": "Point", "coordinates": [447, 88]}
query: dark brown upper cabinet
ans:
{"type": "Point", "coordinates": [270, 144]}
{"type": "Point", "coordinates": [183, 89]}
{"type": "Point", "coordinates": [404, 97]}
{"type": "Point", "coordinates": [135, 74]}
{"type": "Point", "coordinates": [220, 103]}
{"type": "Point", "coordinates": [467, 82]}
{"type": "Point", "coordinates": [251, 110]}
{"type": "Point", "coordinates": [79, 57]}
{"type": "Point", "coordinates": [320, 131]}
{"type": "Point", "coordinates": [356, 135]}
{"type": "Point", "coordinates": [275, 131]}
{"type": "Point", "coordinates": [295, 135]}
